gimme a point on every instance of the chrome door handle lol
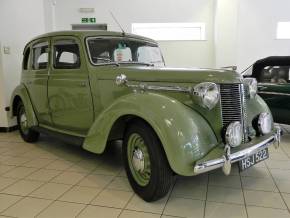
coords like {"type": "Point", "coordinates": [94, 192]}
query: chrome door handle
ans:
{"type": "Point", "coordinates": [83, 84]}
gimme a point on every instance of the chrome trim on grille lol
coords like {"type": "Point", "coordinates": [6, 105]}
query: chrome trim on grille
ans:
{"type": "Point", "coordinates": [233, 106]}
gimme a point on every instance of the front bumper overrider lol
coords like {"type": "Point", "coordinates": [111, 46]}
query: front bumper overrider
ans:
{"type": "Point", "coordinates": [228, 158]}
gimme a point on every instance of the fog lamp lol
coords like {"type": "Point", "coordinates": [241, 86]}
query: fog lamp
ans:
{"type": "Point", "coordinates": [234, 134]}
{"type": "Point", "coordinates": [265, 123]}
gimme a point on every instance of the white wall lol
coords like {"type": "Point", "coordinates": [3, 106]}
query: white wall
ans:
{"type": "Point", "coordinates": [257, 30]}
{"type": "Point", "coordinates": [186, 54]}
{"type": "Point", "coordinates": [20, 21]}
{"type": "Point", "coordinates": [226, 29]}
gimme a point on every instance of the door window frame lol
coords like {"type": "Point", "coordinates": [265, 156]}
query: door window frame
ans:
{"type": "Point", "coordinates": [31, 56]}
{"type": "Point", "coordinates": [52, 58]}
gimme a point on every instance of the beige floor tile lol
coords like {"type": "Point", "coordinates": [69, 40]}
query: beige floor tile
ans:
{"type": "Point", "coordinates": [221, 210]}
{"type": "Point", "coordinates": [225, 181]}
{"type": "Point", "coordinates": [286, 198]}
{"type": "Point", "coordinates": [85, 166]}
{"type": "Point", "coordinates": [189, 190]}
{"type": "Point", "coordinates": [225, 195]}
{"type": "Point", "coordinates": [69, 178]}
{"type": "Point", "coordinates": [135, 214]}
{"type": "Point", "coordinates": [5, 182]}
{"type": "Point", "coordinates": [38, 163]}
{"type": "Point", "coordinates": [264, 199]}
{"type": "Point", "coordinates": [98, 181]}
{"type": "Point", "coordinates": [44, 175]}
{"type": "Point", "coordinates": [262, 212]}
{"type": "Point", "coordinates": [17, 161]}
{"type": "Point", "coordinates": [279, 174]}
{"type": "Point", "coordinates": [278, 164]}
{"type": "Point", "coordinates": [107, 170]}
{"type": "Point", "coordinates": [256, 172]}
{"type": "Point", "coordinates": [50, 191]}
{"type": "Point", "coordinates": [120, 183]}
{"type": "Point", "coordinates": [22, 187]}
{"type": "Point", "coordinates": [5, 168]}
{"type": "Point", "coordinates": [59, 165]}
{"type": "Point", "coordinates": [102, 212]}
{"type": "Point", "coordinates": [278, 156]}
{"type": "Point", "coordinates": [61, 209]}
{"type": "Point", "coordinates": [184, 207]}
{"type": "Point", "coordinates": [7, 200]}
{"type": "Point", "coordinates": [138, 204]}
{"type": "Point", "coordinates": [260, 184]}
{"type": "Point", "coordinates": [112, 198]}
{"type": "Point", "coordinates": [19, 172]}
{"type": "Point", "coordinates": [283, 185]}
{"type": "Point", "coordinates": [79, 194]}
{"type": "Point", "coordinates": [27, 207]}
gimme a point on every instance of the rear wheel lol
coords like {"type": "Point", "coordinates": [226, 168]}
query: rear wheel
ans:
{"type": "Point", "coordinates": [146, 164]}
{"type": "Point", "coordinates": [26, 132]}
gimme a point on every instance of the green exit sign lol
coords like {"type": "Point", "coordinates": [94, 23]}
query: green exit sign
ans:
{"type": "Point", "coordinates": [88, 20]}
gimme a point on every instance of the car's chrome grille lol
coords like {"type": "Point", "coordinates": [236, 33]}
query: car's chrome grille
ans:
{"type": "Point", "coordinates": [233, 105]}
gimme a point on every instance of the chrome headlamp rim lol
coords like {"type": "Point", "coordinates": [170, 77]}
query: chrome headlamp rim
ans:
{"type": "Point", "coordinates": [236, 129]}
{"type": "Point", "coordinates": [262, 118]}
{"type": "Point", "coordinates": [207, 94]}
{"type": "Point", "coordinates": [252, 86]}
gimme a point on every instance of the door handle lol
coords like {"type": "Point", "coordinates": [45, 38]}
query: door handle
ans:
{"type": "Point", "coordinates": [83, 84]}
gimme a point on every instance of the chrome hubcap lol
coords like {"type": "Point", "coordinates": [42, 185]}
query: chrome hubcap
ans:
{"type": "Point", "coordinates": [138, 160]}
{"type": "Point", "coordinates": [23, 121]}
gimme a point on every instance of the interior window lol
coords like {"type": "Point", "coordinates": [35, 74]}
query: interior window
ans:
{"type": "Point", "coordinates": [25, 59]}
{"type": "Point", "coordinates": [40, 56]}
{"type": "Point", "coordinates": [275, 74]}
{"type": "Point", "coordinates": [66, 54]}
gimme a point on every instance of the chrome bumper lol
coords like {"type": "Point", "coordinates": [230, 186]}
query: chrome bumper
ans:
{"type": "Point", "coordinates": [229, 158]}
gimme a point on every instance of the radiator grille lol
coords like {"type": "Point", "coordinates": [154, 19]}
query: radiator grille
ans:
{"type": "Point", "coordinates": [233, 105]}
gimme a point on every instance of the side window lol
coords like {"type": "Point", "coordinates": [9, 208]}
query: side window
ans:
{"type": "Point", "coordinates": [66, 54]}
{"type": "Point", "coordinates": [25, 59]}
{"type": "Point", "coordinates": [40, 56]}
{"type": "Point", "coordinates": [276, 74]}
{"type": "Point", "coordinates": [101, 51]}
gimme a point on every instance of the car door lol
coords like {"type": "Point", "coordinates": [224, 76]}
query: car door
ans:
{"type": "Point", "coordinates": [69, 93]}
{"type": "Point", "coordinates": [35, 78]}
{"type": "Point", "coordinates": [274, 88]}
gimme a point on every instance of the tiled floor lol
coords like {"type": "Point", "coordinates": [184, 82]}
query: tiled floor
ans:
{"type": "Point", "coordinates": [53, 180]}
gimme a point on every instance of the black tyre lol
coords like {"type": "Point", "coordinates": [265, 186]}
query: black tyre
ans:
{"type": "Point", "coordinates": [145, 161]}
{"type": "Point", "coordinates": [26, 133]}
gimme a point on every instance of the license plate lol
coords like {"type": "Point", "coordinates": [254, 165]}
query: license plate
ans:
{"type": "Point", "coordinates": [253, 159]}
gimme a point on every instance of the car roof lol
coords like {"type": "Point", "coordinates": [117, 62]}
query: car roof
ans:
{"type": "Point", "coordinates": [259, 65]}
{"type": "Point", "coordinates": [88, 33]}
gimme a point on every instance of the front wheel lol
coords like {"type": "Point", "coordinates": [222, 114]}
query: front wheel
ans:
{"type": "Point", "coordinates": [26, 132]}
{"type": "Point", "coordinates": [146, 164]}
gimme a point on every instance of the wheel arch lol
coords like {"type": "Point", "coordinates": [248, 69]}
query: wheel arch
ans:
{"type": "Point", "coordinates": [184, 134]}
{"type": "Point", "coordinates": [20, 94]}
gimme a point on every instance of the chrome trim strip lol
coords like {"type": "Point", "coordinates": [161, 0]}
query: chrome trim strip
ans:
{"type": "Point", "coordinates": [274, 93]}
{"type": "Point", "coordinates": [121, 80]}
{"type": "Point", "coordinates": [237, 156]}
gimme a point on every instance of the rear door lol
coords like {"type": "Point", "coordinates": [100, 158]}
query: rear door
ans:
{"type": "Point", "coordinates": [274, 88]}
{"type": "Point", "coordinates": [35, 77]}
{"type": "Point", "coordinates": [69, 91]}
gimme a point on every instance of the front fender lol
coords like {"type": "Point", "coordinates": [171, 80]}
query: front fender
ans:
{"type": "Point", "coordinates": [185, 135]}
{"type": "Point", "coordinates": [20, 93]}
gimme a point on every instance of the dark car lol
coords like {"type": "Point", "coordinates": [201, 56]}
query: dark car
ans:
{"type": "Point", "coordinates": [273, 77]}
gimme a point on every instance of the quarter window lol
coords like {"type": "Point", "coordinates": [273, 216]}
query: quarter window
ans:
{"type": "Point", "coordinates": [275, 74]}
{"type": "Point", "coordinates": [66, 54]}
{"type": "Point", "coordinates": [40, 56]}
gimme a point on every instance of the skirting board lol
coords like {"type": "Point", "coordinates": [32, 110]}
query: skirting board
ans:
{"type": "Point", "coordinates": [8, 129]}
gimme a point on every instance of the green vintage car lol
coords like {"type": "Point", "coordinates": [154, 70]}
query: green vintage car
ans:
{"type": "Point", "coordinates": [92, 87]}
{"type": "Point", "coordinates": [273, 76]}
